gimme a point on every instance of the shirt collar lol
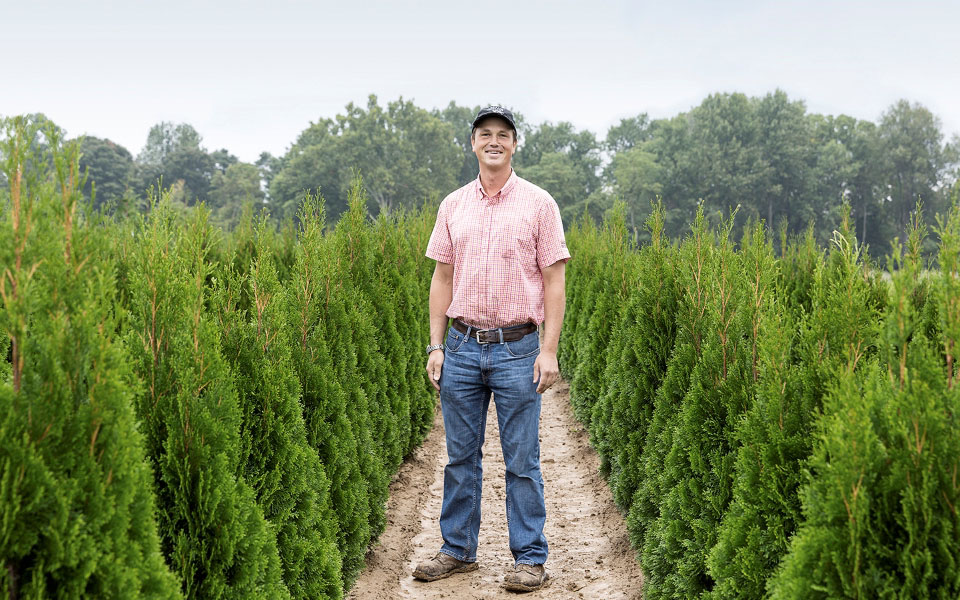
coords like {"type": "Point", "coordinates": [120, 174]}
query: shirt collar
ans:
{"type": "Point", "coordinates": [507, 187]}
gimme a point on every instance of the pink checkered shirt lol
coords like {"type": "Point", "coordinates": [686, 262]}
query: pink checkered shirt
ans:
{"type": "Point", "coordinates": [497, 246]}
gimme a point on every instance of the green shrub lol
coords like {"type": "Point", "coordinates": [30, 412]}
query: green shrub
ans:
{"type": "Point", "coordinates": [325, 410]}
{"type": "Point", "coordinates": [800, 363]}
{"type": "Point", "coordinates": [77, 511]}
{"type": "Point", "coordinates": [880, 508]}
{"type": "Point", "coordinates": [213, 532]}
{"type": "Point", "coordinates": [641, 351]}
{"type": "Point", "coordinates": [695, 262]}
{"type": "Point", "coordinates": [284, 471]}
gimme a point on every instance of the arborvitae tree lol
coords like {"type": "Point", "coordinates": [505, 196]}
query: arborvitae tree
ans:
{"type": "Point", "coordinates": [646, 341]}
{"type": "Point", "coordinates": [605, 354]}
{"type": "Point", "coordinates": [695, 263]}
{"type": "Point", "coordinates": [697, 477]}
{"type": "Point", "coordinates": [776, 436]}
{"type": "Point", "coordinates": [397, 353]}
{"type": "Point", "coordinates": [284, 471]}
{"type": "Point", "coordinates": [408, 269]}
{"type": "Point", "coordinates": [588, 386]}
{"type": "Point", "coordinates": [880, 507]}
{"type": "Point", "coordinates": [598, 301]}
{"type": "Point", "coordinates": [800, 257]}
{"type": "Point", "coordinates": [327, 417]}
{"type": "Point", "coordinates": [240, 253]}
{"type": "Point", "coordinates": [77, 510]}
{"type": "Point", "coordinates": [374, 335]}
{"type": "Point", "coordinates": [583, 242]}
{"type": "Point", "coordinates": [352, 335]}
{"type": "Point", "coordinates": [212, 530]}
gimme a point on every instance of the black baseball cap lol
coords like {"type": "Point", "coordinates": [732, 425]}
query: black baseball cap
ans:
{"type": "Point", "coordinates": [495, 111]}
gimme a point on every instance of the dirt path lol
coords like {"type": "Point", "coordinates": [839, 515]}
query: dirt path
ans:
{"type": "Point", "coordinates": [590, 554]}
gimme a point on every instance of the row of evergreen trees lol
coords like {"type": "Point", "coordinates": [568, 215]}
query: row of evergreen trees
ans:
{"type": "Point", "coordinates": [184, 414]}
{"type": "Point", "coordinates": [780, 427]}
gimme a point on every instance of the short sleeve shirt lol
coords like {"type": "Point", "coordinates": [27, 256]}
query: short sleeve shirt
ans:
{"type": "Point", "coordinates": [498, 246]}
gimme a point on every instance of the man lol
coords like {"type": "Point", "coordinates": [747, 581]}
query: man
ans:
{"type": "Point", "coordinates": [500, 254]}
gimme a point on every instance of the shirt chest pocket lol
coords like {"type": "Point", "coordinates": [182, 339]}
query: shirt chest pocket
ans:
{"type": "Point", "coordinates": [516, 241]}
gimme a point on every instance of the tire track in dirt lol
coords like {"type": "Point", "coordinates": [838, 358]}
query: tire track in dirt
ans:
{"type": "Point", "coordinates": [590, 554]}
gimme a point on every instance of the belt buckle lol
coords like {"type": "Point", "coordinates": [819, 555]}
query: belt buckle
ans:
{"type": "Point", "coordinates": [478, 332]}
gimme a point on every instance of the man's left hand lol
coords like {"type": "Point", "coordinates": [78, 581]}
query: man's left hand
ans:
{"type": "Point", "coordinates": [546, 370]}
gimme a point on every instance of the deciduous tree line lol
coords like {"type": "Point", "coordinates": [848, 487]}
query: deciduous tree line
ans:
{"type": "Point", "coordinates": [768, 155]}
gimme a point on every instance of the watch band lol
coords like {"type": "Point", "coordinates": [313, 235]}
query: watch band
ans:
{"type": "Point", "coordinates": [434, 347]}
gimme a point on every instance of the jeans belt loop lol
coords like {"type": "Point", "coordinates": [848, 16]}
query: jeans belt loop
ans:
{"type": "Point", "coordinates": [500, 331]}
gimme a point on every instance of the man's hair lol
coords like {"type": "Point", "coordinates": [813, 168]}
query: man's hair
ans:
{"type": "Point", "coordinates": [516, 136]}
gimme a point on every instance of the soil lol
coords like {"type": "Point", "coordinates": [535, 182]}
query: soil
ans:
{"type": "Point", "coordinates": [590, 553]}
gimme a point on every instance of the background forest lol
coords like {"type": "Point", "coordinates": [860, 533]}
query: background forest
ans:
{"type": "Point", "coordinates": [766, 155]}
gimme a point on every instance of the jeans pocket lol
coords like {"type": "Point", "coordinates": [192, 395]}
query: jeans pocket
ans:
{"type": "Point", "coordinates": [526, 346]}
{"type": "Point", "coordinates": [455, 339]}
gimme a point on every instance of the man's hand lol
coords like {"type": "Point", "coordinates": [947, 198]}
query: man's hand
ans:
{"type": "Point", "coordinates": [434, 364]}
{"type": "Point", "coordinates": [546, 370]}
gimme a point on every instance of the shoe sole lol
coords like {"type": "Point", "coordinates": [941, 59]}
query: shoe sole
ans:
{"type": "Point", "coordinates": [519, 587]}
{"type": "Point", "coordinates": [461, 569]}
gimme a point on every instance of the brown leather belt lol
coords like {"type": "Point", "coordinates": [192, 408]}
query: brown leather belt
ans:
{"type": "Point", "coordinates": [493, 336]}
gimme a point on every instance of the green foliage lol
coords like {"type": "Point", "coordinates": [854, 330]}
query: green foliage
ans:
{"type": "Point", "coordinates": [284, 471]}
{"type": "Point", "coordinates": [314, 310]}
{"type": "Point", "coordinates": [110, 172]}
{"type": "Point", "coordinates": [880, 517]}
{"type": "Point", "coordinates": [212, 530]}
{"type": "Point", "coordinates": [780, 428]}
{"type": "Point", "coordinates": [696, 478]}
{"type": "Point", "coordinates": [405, 155]}
{"type": "Point", "coordinates": [233, 191]}
{"type": "Point", "coordinates": [645, 341]}
{"type": "Point", "coordinates": [171, 396]}
{"type": "Point", "coordinates": [587, 380]}
{"type": "Point", "coordinates": [76, 502]}
{"type": "Point", "coordinates": [776, 437]}
{"type": "Point", "coordinates": [695, 263]}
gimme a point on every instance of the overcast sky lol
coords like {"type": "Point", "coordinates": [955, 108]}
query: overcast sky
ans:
{"type": "Point", "coordinates": [251, 75]}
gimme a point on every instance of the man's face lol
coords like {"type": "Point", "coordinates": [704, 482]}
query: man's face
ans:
{"type": "Point", "coordinates": [494, 142]}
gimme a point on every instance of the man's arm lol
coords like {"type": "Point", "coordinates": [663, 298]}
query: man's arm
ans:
{"type": "Point", "coordinates": [441, 295]}
{"type": "Point", "coordinates": [546, 368]}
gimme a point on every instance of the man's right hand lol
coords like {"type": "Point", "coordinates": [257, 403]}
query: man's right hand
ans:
{"type": "Point", "coordinates": [434, 364]}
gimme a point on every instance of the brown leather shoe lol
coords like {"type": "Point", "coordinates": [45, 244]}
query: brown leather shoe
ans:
{"type": "Point", "coordinates": [525, 578]}
{"type": "Point", "coordinates": [442, 565]}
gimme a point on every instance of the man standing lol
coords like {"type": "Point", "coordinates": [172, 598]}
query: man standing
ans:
{"type": "Point", "coordinates": [500, 254]}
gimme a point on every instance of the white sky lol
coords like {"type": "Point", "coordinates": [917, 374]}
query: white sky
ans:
{"type": "Point", "coordinates": [251, 75]}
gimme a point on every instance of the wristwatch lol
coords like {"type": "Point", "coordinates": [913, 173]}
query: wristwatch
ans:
{"type": "Point", "coordinates": [434, 347]}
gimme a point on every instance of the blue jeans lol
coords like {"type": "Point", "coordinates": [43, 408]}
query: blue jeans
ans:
{"type": "Point", "coordinates": [471, 371]}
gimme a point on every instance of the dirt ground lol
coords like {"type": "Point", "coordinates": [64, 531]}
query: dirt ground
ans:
{"type": "Point", "coordinates": [590, 554]}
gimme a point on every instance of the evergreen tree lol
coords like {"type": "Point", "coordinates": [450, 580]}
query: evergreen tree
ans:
{"type": "Point", "coordinates": [879, 509]}
{"type": "Point", "coordinates": [212, 530]}
{"type": "Point", "coordinates": [373, 331]}
{"type": "Point", "coordinates": [696, 261]}
{"type": "Point", "coordinates": [406, 238]}
{"type": "Point", "coordinates": [776, 436]}
{"type": "Point", "coordinates": [326, 413]}
{"type": "Point", "coordinates": [583, 241]}
{"type": "Point", "coordinates": [77, 511]}
{"type": "Point", "coordinates": [352, 335]}
{"type": "Point", "coordinates": [697, 478]}
{"type": "Point", "coordinates": [606, 354]}
{"type": "Point", "coordinates": [588, 384]}
{"type": "Point", "coordinates": [284, 471]}
{"type": "Point", "coordinates": [637, 370]}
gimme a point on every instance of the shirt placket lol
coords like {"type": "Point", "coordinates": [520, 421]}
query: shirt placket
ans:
{"type": "Point", "coordinates": [485, 222]}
